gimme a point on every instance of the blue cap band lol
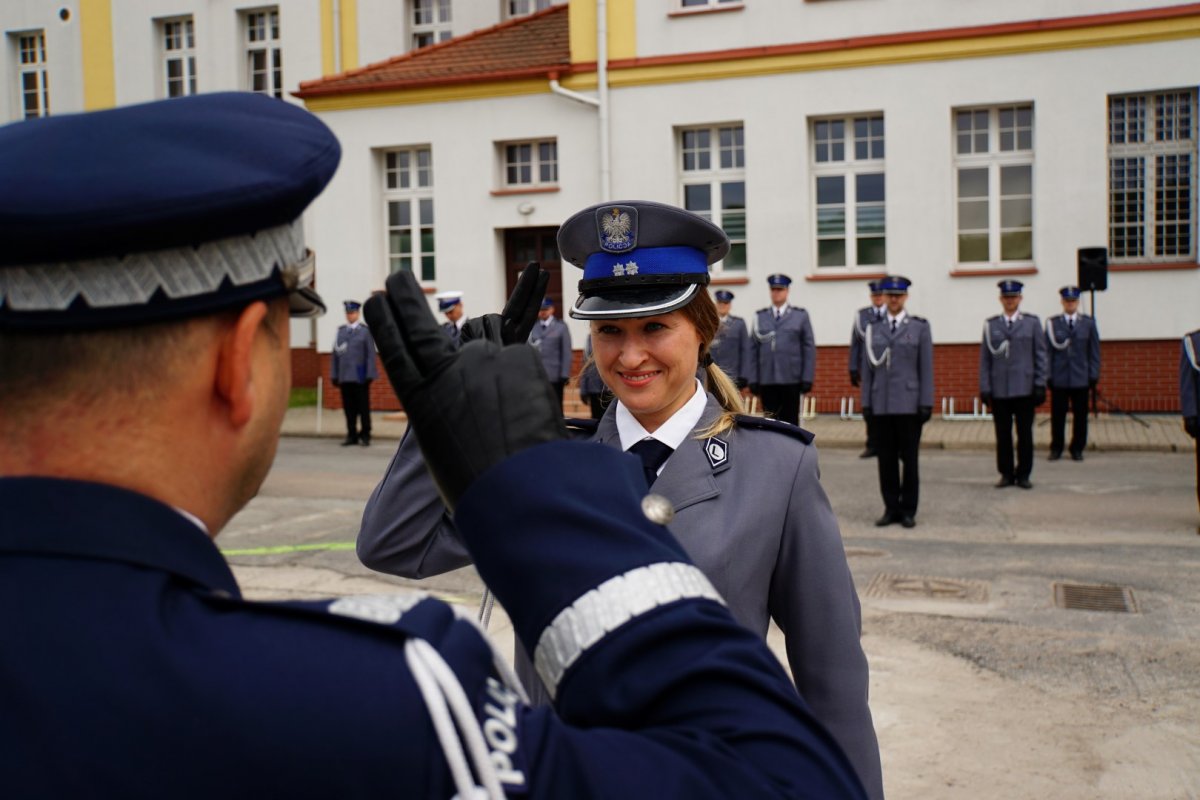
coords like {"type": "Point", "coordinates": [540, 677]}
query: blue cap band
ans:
{"type": "Point", "coordinates": [646, 261]}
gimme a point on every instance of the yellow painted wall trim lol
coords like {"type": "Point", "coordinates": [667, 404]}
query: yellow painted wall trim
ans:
{"type": "Point", "coordinates": [96, 42]}
{"type": "Point", "coordinates": [349, 28]}
{"type": "Point", "coordinates": [428, 94]}
{"type": "Point", "coordinates": [327, 65]}
{"type": "Point", "coordinates": [622, 30]}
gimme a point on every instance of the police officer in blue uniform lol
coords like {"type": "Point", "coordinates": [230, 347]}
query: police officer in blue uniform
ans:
{"type": "Point", "coordinates": [731, 349]}
{"type": "Point", "coordinates": [897, 392]}
{"type": "Point", "coordinates": [121, 256]}
{"type": "Point", "coordinates": [1189, 392]}
{"type": "Point", "coordinates": [785, 353]}
{"type": "Point", "coordinates": [1012, 380]}
{"type": "Point", "coordinates": [1074, 350]}
{"type": "Point", "coordinates": [858, 331]}
{"type": "Point", "coordinates": [450, 304]}
{"type": "Point", "coordinates": [552, 339]}
{"type": "Point", "coordinates": [741, 492]}
{"type": "Point", "coordinates": [352, 369]}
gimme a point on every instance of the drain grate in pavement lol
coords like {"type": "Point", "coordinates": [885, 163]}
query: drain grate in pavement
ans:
{"type": "Point", "coordinates": [887, 584]}
{"type": "Point", "coordinates": [1084, 597]}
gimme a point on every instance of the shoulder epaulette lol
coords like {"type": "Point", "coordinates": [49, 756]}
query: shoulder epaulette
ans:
{"type": "Point", "coordinates": [915, 318]}
{"type": "Point", "coordinates": [762, 311]}
{"type": "Point", "coordinates": [768, 424]}
{"type": "Point", "coordinates": [581, 424]}
{"type": "Point", "coordinates": [997, 316]}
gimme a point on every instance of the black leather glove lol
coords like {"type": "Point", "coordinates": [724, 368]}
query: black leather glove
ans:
{"type": "Point", "coordinates": [854, 379]}
{"type": "Point", "coordinates": [754, 388]}
{"type": "Point", "coordinates": [1192, 426]}
{"type": "Point", "coordinates": [924, 413]}
{"type": "Point", "coordinates": [514, 322]}
{"type": "Point", "coordinates": [985, 398]}
{"type": "Point", "coordinates": [805, 388]}
{"type": "Point", "coordinates": [469, 408]}
{"type": "Point", "coordinates": [1039, 395]}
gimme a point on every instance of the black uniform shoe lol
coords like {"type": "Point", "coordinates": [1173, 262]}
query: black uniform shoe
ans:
{"type": "Point", "coordinates": [885, 520]}
{"type": "Point", "coordinates": [349, 441]}
{"type": "Point", "coordinates": [1077, 456]}
{"type": "Point", "coordinates": [365, 440]}
{"type": "Point", "coordinates": [1024, 483]}
{"type": "Point", "coordinates": [1055, 455]}
{"type": "Point", "coordinates": [867, 453]}
{"type": "Point", "coordinates": [1004, 483]}
{"type": "Point", "coordinates": [908, 522]}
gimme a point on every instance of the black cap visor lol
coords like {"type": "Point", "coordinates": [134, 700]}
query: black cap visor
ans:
{"type": "Point", "coordinates": [632, 302]}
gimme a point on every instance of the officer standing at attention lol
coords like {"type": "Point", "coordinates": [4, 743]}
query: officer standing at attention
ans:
{"type": "Point", "coordinates": [897, 388]}
{"type": "Point", "coordinates": [552, 338]}
{"type": "Point", "coordinates": [858, 331]}
{"type": "Point", "coordinates": [731, 347]}
{"type": "Point", "coordinates": [450, 304]}
{"type": "Point", "coordinates": [785, 354]}
{"type": "Point", "coordinates": [1074, 369]}
{"type": "Point", "coordinates": [1189, 393]}
{"type": "Point", "coordinates": [146, 307]}
{"type": "Point", "coordinates": [1012, 380]}
{"type": "Point", "coordinates": [352, 370]}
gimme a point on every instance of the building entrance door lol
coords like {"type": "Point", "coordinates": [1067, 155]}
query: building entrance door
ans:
{"type": "Point", "coordinates": [522, 245]}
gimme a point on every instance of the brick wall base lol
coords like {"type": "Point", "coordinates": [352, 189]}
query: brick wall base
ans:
{"type": "Point", "coordinates": [1135, 376]}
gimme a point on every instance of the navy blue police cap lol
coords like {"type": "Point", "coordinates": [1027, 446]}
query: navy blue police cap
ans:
{"type": "Point", "coordinates": [894, 284]}
{"type": "Point", "coordinates": [639, 258]}
{"type": "Point", "coordinates": [724, 296]}
{"type": "Point", "coordinates": [778, 279]}
{"type": "Point", "coordinates": [351, 305]}
{"type": "Point", "coordinates": [547, 302]}
{"type": "Point", "coordinates": [1069, 292]}
{"type": "Point", "coordinates": [873, 286]}
{"type": "Point", "coordinates": [448, 300]}
{"type": "Point", "coordinates": [159, 211]}
{"type": "Point", "coordinates": [1010, 288]}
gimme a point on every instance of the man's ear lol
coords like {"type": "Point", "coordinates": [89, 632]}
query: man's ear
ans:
{"type": "Point", "coordinates": [234, 363]}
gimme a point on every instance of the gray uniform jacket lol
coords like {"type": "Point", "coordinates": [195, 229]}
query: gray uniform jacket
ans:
{"type": "Point", "coordinates": [862, 319]}
{"type": "Point", "coordinates": [553, 341]}
{"type": "Point", "coordinates": [897, 373]}
{"type": "Point", "coordinates": [731, 348]}
{"type": "Point", "coordinates": [1012, 362]}
{"type": "Point", "coordinates": [1189, 374]}
{"type": "Point", "coordinates": [758, 524]}
{"type": "Point", "coordinates": [353, 356]}
{"type": "Point", "coordinates": [1074, 352]}
{"type": "Point", "coordinates": [784, 349]}
{"type": "Point", "coordinates": [590, 381]}
{"type": "Point", "coordinates": [453, 333]}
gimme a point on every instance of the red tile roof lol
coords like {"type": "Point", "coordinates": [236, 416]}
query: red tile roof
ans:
{"type": "Point", "coordinates": [533, 46]}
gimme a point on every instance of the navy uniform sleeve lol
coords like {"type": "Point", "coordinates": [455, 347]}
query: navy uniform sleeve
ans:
{"type": "Point", "coordinates": [926, 365]}
{"type": "Point", "coordinates": [659, 692]}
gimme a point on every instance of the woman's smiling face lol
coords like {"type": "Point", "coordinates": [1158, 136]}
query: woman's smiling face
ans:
{"type": "Point", "coordinates": [649, 363]}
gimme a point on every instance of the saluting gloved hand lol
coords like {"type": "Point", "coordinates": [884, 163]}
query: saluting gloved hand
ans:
{"type": "Point", "coordinates": [805, 388]}
{"type": "Point", "coordinates": [924, 413]}
{"type": "Point", "coordinates": [854, 379]}
{"type": "Point", "coordinates": [469, 408]}
{"type": "Point", "coordinates": [1039, 395]}
{"type": "Point", "coordinates": [514, 322]}
{"type": "Point", "coordinates": [1192, 426]}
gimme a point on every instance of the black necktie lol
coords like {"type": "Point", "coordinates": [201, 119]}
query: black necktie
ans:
{"type": "Point", "coordinates": [653, 454]}
{"type": "Point", "coordinates": [895, 322]}
{"type": "Point", "coordinates": [1070, 324]}
{"type": "Point", "coordinates": [1009, 321]}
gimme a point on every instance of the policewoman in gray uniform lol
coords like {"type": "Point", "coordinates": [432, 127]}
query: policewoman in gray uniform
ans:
{"type": "Point", "coordinates": [551, 337]}
{"type": "Point", "coordinates": [1012, 380]}
{"type": "Point", "coordinates": [858, 331]}
{"type": "Point", "coordinates": [1074, 349]}
{"type": "Point", "coordinates": [731, 348]}
{"type": "Point", "coordinates": [785, 353]}
{"type": "Point", "coordinates": [1189, 392]}
{"type": "Point", "coordinates": [741, 493]}
{"type": "Point", "coordinates": [897, 388]}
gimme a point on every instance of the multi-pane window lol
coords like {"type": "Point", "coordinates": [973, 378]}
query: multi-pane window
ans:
{"type": "Point", "coordinates": [847, 158]}
{"type": "Point", "coordinates": [530, 164]}
{"type": "Point", "coordinates": [708, 3]}
{"type": "Point", "coordinates": [994, 184]}
{"type": "Point", "coordinates": [713, 178]}
{"type": "Point", "coordinates": [178, 38]}
{"type": "Point", "coordinates": [32, 84]}
{"type": "Point", "coordinates": [264, 56]}
{"type": "Point", "coordinates": [1152, 176]}
{"type": "Point", "coordinates": [408, 202]}
{"type": "Point", "coordinates": [430, 22]}
{"type": "Point", "coordinates": [521, 8]}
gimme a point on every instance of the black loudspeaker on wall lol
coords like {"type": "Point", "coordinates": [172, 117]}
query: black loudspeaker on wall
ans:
{"type": "Point", "coordinates": [1093, 268]}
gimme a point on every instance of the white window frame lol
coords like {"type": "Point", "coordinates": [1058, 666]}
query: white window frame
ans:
{"type": "Point", "coordinates": [698, 5]}
{"type": "Point", "coordinates": [523, 8]}
{"type": "Point", "coordinates": [409, 234]}
{"type": "Point", "coordinates": [986, 140]}
{"type": "Point", "coordinates": [177, 46]}
{"type": "Point", "coordinates": [261, 37]}
{"type": "Point", "coordinates": [713, 157]}
{"type": "Point", "coordinates": [528, 164]}
{"type": "Point", "coordinates": [430, 22]}
{"type": "Point", "coordinates": [1158, 138]}
{"type": "Point", "coordinates": [850, 148]}
{"type": "Point", "coordinates": [33, 85]}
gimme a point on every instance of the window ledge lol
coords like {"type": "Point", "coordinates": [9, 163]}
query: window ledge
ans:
{"type": "Point", "coordinates": [992, 272]}
{"type": "Point", "coordinates": [847, 276]}
{"type": "Point", "coordinates": [743, 281]}
{"type": "Point", "coordinates": [1154, 267]}
{"type": "Point", "coordinates": [692, 12]}
{"type": "Point", "coordinates": [525, 190]}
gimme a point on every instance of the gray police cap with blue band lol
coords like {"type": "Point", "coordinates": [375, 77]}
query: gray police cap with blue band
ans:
{"type": "Point", "coordinates": [639, 258]}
